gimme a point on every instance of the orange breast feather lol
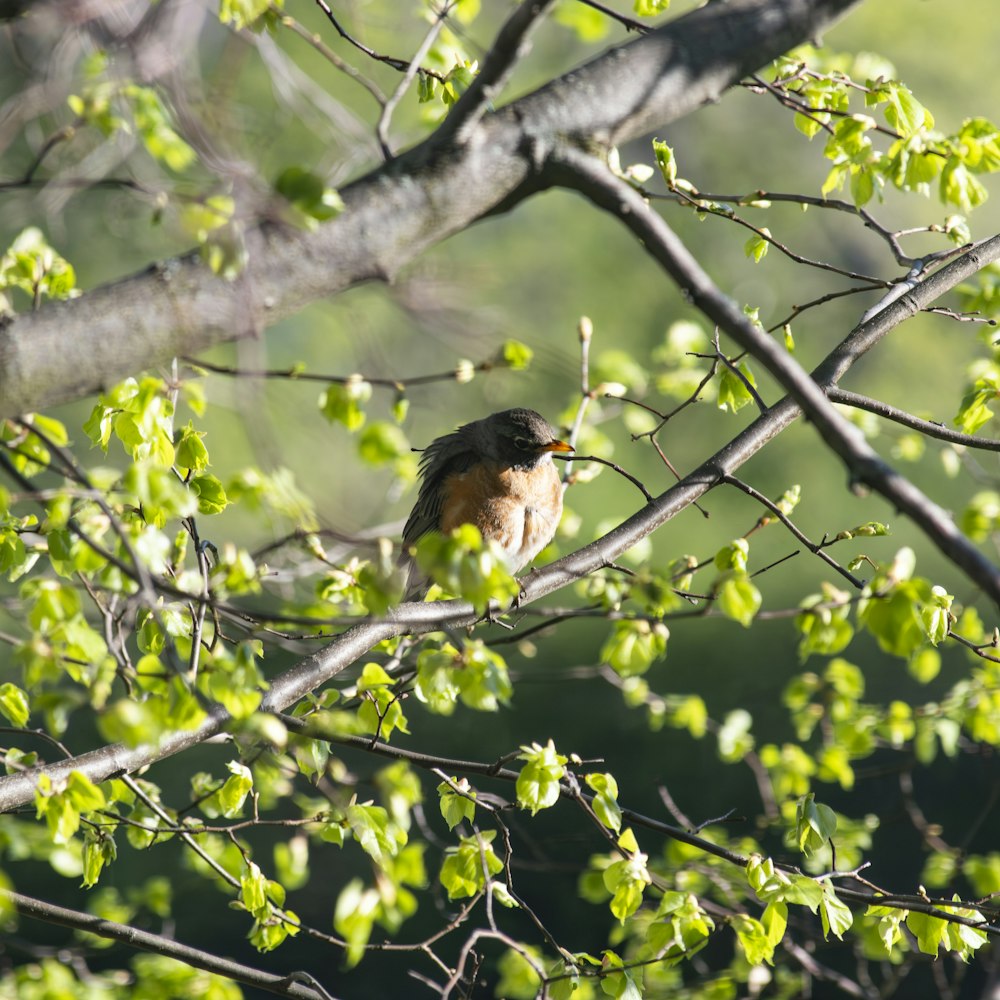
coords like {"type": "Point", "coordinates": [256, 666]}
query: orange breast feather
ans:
{"type": "Point", "coordinates": [517, 508]}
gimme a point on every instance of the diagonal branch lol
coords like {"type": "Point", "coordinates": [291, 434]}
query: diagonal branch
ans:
{"type": "Point", "coordinates": [866, 468]}
{"type": "Point", "coordinates": [287, 986]}
{"type": "Point", "coordinates": [930, 428]}
{"type": "Point", "coordinates": [418, 618]}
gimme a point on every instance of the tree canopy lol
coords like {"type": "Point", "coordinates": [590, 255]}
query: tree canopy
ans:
{"type": "Point", "coordinates": [732, 738]}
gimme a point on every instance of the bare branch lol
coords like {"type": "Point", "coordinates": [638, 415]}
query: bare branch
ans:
{"type": "Point", "coordinates": [382, 125]}
{"type": "Point", "coordinates": [286, 986]}
{"type": "Point", "coordinates": [928, 427]}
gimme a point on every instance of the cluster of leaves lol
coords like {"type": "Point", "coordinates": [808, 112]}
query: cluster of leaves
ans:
{"type": "Point", "coordinates": [113, 575]}
{"type": "Point", "coordinates": [35, 268]}
{"type": "Point", "coordinates": [917, 156]}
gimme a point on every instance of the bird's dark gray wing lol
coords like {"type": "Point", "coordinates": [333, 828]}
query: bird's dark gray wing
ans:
{"type": "Point", "coordinates": [443, 457]}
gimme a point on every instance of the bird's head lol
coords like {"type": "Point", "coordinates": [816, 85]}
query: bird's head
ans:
{"type": "Point", "coordinates": [518, 438]}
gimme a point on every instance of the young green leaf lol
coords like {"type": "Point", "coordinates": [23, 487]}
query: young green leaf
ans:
{"type": "Point", "coordinates": [538, 783]}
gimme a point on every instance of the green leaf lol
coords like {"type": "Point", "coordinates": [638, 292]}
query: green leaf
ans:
{"type": "Point", "coordinates": [738, 598]}
{"type": "Point", "coordinates": [354, 917]}
{"type": "Point", "coordinates": [834, 914]}
{"type": "Point", "coordinates": [959, 186]}
{"type": "Point", "coordinates": [32, 266]}
{"type": "Point", "coordinates": [687, 712]}
{"type": "Point", "coordinates": [519, 979]}
{"type": "Point", "coordinates": [898, 726]}
{"type": "Point", "coordinates": [467, 866]}
{"type": "Point", "coordinates": [291, 861]}
{"type": "Point", "coordinates": [83, 793]}
{"type": "Point", "coordinates": [733, 391]}
{"type": "Point", "coordinates": [753, 939]}
{"type": "Point", "coordinates": [14, 704]}
{"type": "Point", "coordinates": [931, 932]}
{"type": "Point", "coordinates": [589, 24]}
{"type": "Point", "coordinates": [379, 838]}
{"type": "Point", "coordinates": [824, 622]}
{"type": "Point", "coordinates": [605, 804]}
{"type": "Point", "coordinates": [905, 113]}
{"type": "Point", "coordinates": [626, 880]}
{"type": "Point", "coordinates": [233, 793]}
{"type": "Point", "coordinates": [62, 807]}
{"type": "Point", "coordinates": [382, 442]}
{"type": "Point", "coordinates": [515, 355]}
{"type": "Point", "coordinates": [457, 807]}
{"type": "Point", "coordinates": [464, 563]}
{"type": "Point", "coordinates": [774, 920]}
{"type": "Point", "coordinates": [974, 410]}
{"type": "Point", "coordinates": [863, 183]}
{"type": "Point", "coordinates": [381, 711]}
{"type": "Point", "coordinates": [152, 122]}
{"type": "Point", "coordinates": [191, 452]}
{"type": "Point", "coordinates": [936, 615]}
{"type": "Point", "coordinates": [982, 515]}
{"type": "Point", "coordinates": [437, 684]}
{"type": "Point", "coordinates": [680, 928]}
{"type": "Point", "coordinates": [309, 197]}
{"type": "Point", "coordinates": [243, 13]}
{"type": "Point", "coordinates": [889, 931]}
{"type": "Point", "coordinates": [633, 646]}
{"type": "Point", "coordinates": [735, 740]}
{"type": "Point", "coordinates": [665, 161]}
{"type": "Point", "coordinates": [99, 849]}
{"type": "Point", "coordinates": [253, 890]}
{"type": "Point", "coordinates": [342, 402]}
{"type": "Point", "coordinates": [538, 783]}
{"type": "Point", "coordinates": [757, 247]}
{"type": "Point", "coordinates": [201, 218]}
{"type": "Point", "coordinates": [650, 8]}
{"type": "Point", "coordinates": [891, 606]}
{"type": "Point", "coordinates": [815, 824]}
{"type": "Point", "coordinates": [733, 556]}
{"type": "Point", "coordinates": [211, 496]}
{"type": "Point", "coordinates": [983, 871]}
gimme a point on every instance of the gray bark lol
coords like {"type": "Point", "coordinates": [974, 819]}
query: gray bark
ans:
{"type": "Point", "coordinates": [72, 349]}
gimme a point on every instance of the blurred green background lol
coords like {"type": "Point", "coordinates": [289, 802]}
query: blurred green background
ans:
{"type": "Point", "coordinates": [530, 275]}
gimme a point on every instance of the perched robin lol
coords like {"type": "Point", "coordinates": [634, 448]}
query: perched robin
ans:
{"type": "Point", "coordinates": [496, 473]}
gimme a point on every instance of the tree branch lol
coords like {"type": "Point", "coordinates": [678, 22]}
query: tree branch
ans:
{"type": "Point", "coordinates": [928, 427]}
{"type": "Point", "coordinates": [286, 986]}
{"type": "Point", "coordinates": [420, 618]}
{"type": "Point", "coordinates": [865, 467]}
{"type": "Point", "coordinates": [179, 307]}
{"type": "Point", "coordinates": [510, 45]}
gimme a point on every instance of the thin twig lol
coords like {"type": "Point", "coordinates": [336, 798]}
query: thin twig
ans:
{"type": "Point", "coordinates": [287, 986]}
{"type": "Point", "coordinates": [399, 64]}
{"type": "Point", "coordinates": [330, 56]}
{"type": "Point", "coordinates": [382, 126]}
{"type": "Point", "coordinates": [929, 427]}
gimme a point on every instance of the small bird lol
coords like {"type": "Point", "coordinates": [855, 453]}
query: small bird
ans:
{"type": "Point", "coordinates": [496, 473]}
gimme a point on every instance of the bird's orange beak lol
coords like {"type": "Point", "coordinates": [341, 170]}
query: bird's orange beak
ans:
{"type": "Point", "coordinates": [557, 446]}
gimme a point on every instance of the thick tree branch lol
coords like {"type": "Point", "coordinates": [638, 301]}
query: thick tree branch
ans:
{"type": "Point", "coordinates": [420, 618]}
{"type": "Point", "coordinates": [508, 49]}
{"type": "Point", "coordinates": [71, 349]}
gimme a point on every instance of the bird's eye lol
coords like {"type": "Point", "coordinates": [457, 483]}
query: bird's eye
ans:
{"type": "Point", "coordinates": [523, 444]}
